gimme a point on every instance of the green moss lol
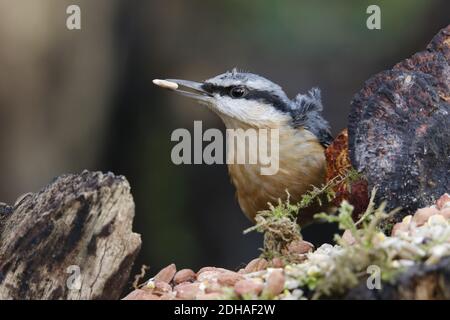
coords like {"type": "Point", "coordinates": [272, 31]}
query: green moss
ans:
{"type": "Point", "coordinates": [330, 271]}
{"type": "Point", "coordinates": [279, 223]}
{"type": "Point", "coordinates": [351, 266]}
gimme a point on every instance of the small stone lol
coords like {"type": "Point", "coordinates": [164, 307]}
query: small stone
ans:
{"type": "Point", "coordinates": [443, 202]}
{"type": "Point", "coordinates": [248, 286]}
{"type": "Point", "coordinates": [257, 264]}
{"type": "Point", "coordinates": [184, 275]}
{"type": "Point", "coordinates": [229, 278]}
{"type": "Point", "coordinates": [422, 215]}
{"type": "Point", "coordinates": [275, 283]}
{"type": "Point", "coordinates": [277, 262]}
{"type": "Point", "coordinates": [140, 294]}
{"type": "Point", "coordinates": [348, 238]}
{"type": "Point", "coordinates": [187, 290]}
{"type": "Point", "coordinates": [166, 274]}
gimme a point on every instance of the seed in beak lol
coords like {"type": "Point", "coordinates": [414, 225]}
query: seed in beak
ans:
{"type": "Point", "coordinates": [166, 84]}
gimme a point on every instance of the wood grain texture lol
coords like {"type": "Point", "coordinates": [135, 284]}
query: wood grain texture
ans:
{"type": "Point", "coordinates": [78, 220]}
{"type": "Point", "coordinates": [398, 129]}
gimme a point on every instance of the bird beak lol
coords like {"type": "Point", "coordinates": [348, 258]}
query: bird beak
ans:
{"type": "Point", "coordinates": [192, 90]}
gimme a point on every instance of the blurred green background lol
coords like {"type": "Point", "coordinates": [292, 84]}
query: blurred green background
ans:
{"type": "Point", "coordinates": [74, 100]}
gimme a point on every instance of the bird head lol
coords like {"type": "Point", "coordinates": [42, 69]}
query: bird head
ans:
{"type": "Point", "coordinates": [247, 99]}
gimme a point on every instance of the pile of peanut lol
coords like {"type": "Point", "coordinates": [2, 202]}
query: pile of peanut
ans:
{"type": "Point", "coordinates": [260, 278]}
{"type": "Point", "coordinates": [265, 279]}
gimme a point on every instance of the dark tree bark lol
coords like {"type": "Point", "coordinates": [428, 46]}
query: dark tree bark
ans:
{"type": "Point", "coordinates": [77, 223]}
{"type": "Point", "coordinates": [398, 129]}
{"type": "Point", "coordinates": [423, 282]}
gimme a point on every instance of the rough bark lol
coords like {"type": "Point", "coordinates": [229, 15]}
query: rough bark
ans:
{"type": "Point", "coordinates": [398, 129]}
{"type": "Point", "coordinates": [421, 282]}
{"type": "Point", "coordinates": [78, 221]}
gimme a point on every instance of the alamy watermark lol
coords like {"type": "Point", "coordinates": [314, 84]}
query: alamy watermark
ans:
{"type": "Point", "coordinates": [251, 146]}
{"type": "Point", "coordinates": [73, 21]}
{"type": "Point", "coordinates": [373, 22]}
{"type": "Point", "coordinates": [73, 282]}
{"type": "Point", "coordinates": [374, 280]}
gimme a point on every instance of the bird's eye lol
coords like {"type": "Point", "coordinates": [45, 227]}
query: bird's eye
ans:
{"type": "Point", "coordinates": [238, 92]}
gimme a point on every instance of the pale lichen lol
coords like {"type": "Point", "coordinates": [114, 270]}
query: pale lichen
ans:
{"type": "Point", "coordinates": [332, 270]}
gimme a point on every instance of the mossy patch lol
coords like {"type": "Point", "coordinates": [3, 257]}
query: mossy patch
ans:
{"type": "Point", "coordinates": [279, 223]}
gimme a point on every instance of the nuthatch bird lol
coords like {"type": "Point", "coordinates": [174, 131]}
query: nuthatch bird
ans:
{"type": "Point", "coordinates": [246, 100]}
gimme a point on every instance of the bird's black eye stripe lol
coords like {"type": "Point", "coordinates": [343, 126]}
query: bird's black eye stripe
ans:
{"type": "Point", "coordinates": [268, 98]}
{"type": "Point", "coordinates": [211, 88]}
{"type": "Point", "coordinates": [251, 94]}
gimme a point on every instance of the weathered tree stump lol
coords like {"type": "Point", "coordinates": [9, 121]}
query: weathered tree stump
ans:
{"type": "Point", "coordinates": [420, 282]}
{"type": "Point", "coordinates": [71, 240]}
{"type": "Point", "coordinates": [398, 131]}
